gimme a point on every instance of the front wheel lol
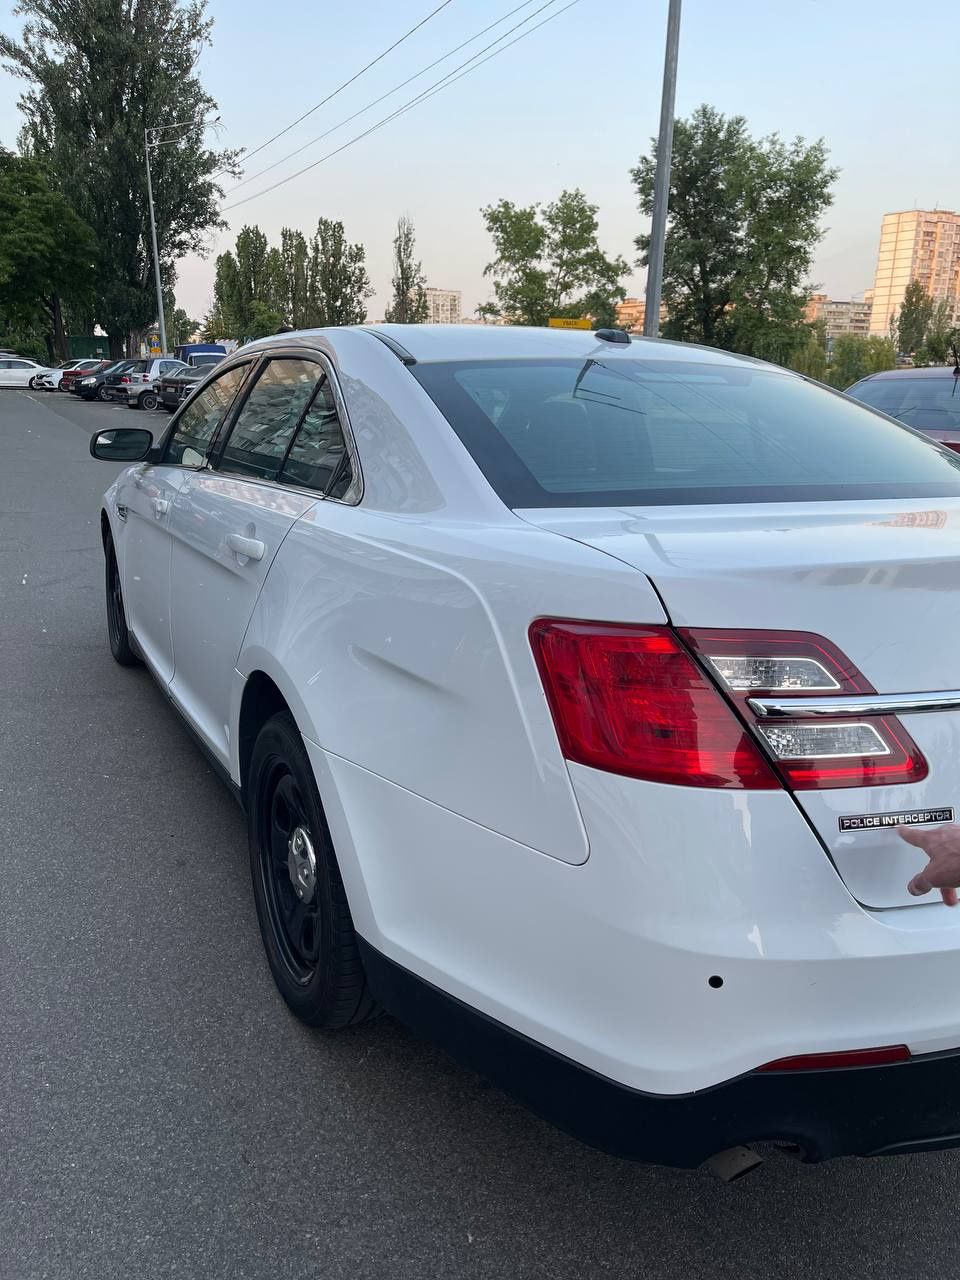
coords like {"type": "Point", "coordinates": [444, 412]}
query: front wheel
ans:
{"type": "Point", "coordinates": [148, 400]}
{"type": "Point", "coordinates": [120, 645]}
{"type": "Point", "coordinates": [304, 918]}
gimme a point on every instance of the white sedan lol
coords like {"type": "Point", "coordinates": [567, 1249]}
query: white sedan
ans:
{"type": "Point", "coordinates": [576, 690]}
{"type": "Point", "coordinates": [17, 371]}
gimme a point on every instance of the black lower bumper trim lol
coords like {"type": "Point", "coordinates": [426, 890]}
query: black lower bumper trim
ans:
{"type": "Point", "coordinates": [889, 1110]}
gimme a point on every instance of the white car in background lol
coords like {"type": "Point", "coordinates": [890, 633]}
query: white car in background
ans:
{"type": "Point", "coordinates": [18, 371]}
{"type": "Point", "coordinates": [576, 689]}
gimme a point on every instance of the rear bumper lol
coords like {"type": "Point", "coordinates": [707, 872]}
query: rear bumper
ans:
{"type": "Point", "coordinates": [865, 1111]}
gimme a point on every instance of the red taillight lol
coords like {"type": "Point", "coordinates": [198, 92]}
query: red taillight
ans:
{"type": "Point", "coordinates": [125, 378]}
{"type": "Point", "coordinates": [631, 700]}
{"type": "Point", "coordinates": [810, 755]}
{"type": "Point", "coordinates": [846, 1058]}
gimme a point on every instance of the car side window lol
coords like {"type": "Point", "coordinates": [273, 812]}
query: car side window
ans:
{"type": "Point", "coordinates": [196, 427]}
{"type": "Point", "coordinates": [265, 425]}
{"type": "Point", "coordinates": [318, 456]}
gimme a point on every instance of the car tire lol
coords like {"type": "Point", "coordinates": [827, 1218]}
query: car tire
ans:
{"type": "Point", "coordinates": [103, 394]}
{"type": "Point", "coordinates": [120, 643]}
{"type": "Point", "coordinates": [148, 400]}
{"type": "Point", "coordinates": [62, 386]}
{"type": "Point", "coordinates": [34, 384]}
{"type": "Point", "coordinates": [307, 930]}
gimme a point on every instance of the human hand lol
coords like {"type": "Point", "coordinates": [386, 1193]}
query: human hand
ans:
{"type": "Point", "coordinates": [942, 847]}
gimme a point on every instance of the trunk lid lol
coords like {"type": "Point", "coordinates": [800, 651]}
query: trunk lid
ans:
{"type": "Point", "coordinates": [881, 580]}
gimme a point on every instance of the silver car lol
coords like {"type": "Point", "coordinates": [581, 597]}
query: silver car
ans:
{"type": "Point", "coordinates": [138, 384]}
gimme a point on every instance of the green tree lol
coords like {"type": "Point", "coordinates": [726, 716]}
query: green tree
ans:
{"type": "Point", "coordinates": [100, 73]}
{"type": "Point", "coordinates": [295, 257]}
{"type": "Point", "coordinates": [916, 312]}
{"type": "Point", "coordinates": [810, 359]}
{"type": "Point", "coordinates": [47, 255]}
{"type": "Point", "coordinates": [180, 328]}
{"type": "Point", "coordinates": [548, 262]}
{"type": "Point", "coordinates": [940, 335]}
{"type": "Point", "coordinates": [337, 282]}
{"type": "Point", "coordinates": [854, 357]}
{"type": "Point", "coordinates": [409, 305]}
{"type": "Point", "coordinates": [743, 223]}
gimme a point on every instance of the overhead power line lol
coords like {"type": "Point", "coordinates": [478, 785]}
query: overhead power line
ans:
{"type": "Point", "coordinates": [443, 83]}
{"type": "Point", "coordinates": [340, 88]}
{"type": "Point", "coordinates": [396, 89]}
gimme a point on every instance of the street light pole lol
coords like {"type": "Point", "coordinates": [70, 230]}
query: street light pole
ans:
{"type": "Point", "coordinates": [661, 186]}
{"type": "Point", "coordinates": [156, 254]}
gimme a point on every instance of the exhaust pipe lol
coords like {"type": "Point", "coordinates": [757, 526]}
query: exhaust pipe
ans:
{"type": "Point", "coordinates": [733, 1164]}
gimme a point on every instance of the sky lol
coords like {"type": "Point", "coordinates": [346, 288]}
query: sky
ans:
{"type": "Point", "coordinates": [573, 105]}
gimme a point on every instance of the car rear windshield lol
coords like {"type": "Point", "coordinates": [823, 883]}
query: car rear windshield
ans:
{"type": "Point", "coordinates": [624, 431]}
{"type": "Point", "coordinates": [929, 404]}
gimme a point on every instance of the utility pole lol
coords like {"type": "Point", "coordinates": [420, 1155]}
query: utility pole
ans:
{"type": "Point", "coordinates": [661, 187]}
{"type": "Point", "coordinates": [156, 254]}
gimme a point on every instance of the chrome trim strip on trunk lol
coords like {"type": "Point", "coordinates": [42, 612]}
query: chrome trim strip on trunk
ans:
{"type": "Point", "coordinates": [864, 704]}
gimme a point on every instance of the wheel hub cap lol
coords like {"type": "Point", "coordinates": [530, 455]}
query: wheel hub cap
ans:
{"type": "Point", "coordinates": [302, 864]}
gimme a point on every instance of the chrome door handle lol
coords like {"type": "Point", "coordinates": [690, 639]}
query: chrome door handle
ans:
{"type": "Point", "coordinates": [160, 507]}
{"type": "Point", "coordinates": [251, 548]}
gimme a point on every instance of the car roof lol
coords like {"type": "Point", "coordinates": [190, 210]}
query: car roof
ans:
{"type": "Point", "coordinates": [432, 343]}
{"type": "Point", "coordinates": [929, 371]}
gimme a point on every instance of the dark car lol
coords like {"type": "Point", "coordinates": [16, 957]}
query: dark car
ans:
{"type": "Point", "coordinates": [94, 385]}
{"type": "Point", "coordinates": [926, 399]}
{"type": "Point", "coordinates": [174, 388]}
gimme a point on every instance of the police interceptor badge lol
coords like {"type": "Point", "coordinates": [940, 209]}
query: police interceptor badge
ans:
{"type": "Point", "coordinates": [907, 818]}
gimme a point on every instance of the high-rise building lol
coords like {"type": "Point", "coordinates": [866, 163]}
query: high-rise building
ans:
{"type": "Point", "coordinates": [839, 317]}
{"type": "Point", "coordinates": [919, 245]}
{"type": "Point", "coordinates": [632, 311]}
{"type": "Point", "coordinates": [443, 306]}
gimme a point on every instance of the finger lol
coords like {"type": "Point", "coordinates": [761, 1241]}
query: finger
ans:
{"type": "Point", "coordinates": [919, 885]}
{"type": "Point", "coordinates": [949, 897]}
{"type": "Point", "coordinates": [914, 836]}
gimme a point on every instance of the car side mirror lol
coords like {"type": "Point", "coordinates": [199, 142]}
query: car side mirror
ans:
{"type": "Point", "coordinates": [121, 444]}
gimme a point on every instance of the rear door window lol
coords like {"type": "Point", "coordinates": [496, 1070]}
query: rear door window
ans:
{"type": "Point", "coordinates": [318, 456]}
{"type": "Point", "coordinates": [617, 430]}
{"type": "Point", "coordinates": [270, 415]}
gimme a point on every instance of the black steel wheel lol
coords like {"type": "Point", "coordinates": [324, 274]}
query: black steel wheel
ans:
{"type": "Point", "coordinates": [304, 918]}
{"type": "Point", "coordinates": [119, 636]}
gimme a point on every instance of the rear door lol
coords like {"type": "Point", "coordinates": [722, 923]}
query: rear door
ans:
{"type": "Point", "coordinates": [227, 526]}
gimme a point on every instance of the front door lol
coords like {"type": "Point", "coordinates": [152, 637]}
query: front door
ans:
{"type": "Point", "coordinates": [145, 500]}
{"type": "Point", "coordinates": [227, 527]}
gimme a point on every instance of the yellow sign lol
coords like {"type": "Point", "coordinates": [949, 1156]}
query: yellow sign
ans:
{"type": "Point", "coordinates": [561, 322]}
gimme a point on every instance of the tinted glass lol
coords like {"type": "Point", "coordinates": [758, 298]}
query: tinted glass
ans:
{"type": "Point", "coordinates": [319, 449]}
{"type": "Point", "coordinates": [19, 364]}
{"type": "Point", "coordinates": [640, 432]}
{"type": "Point", "coordinates": [212, 358]}
{"type": "Point", "coordinates": [929, 404]}
{"type": "Point", "coordinates": [196, 426]}
{"type": "Point", "coordinates": [269, 417]}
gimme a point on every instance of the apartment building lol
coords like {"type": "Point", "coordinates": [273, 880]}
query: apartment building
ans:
{"type": "Point", "coordinates": [920, 244]}
{"type": "Point", "coordinates": [840, 317]}
{"type": "Point", "coordinates": [443, 306]}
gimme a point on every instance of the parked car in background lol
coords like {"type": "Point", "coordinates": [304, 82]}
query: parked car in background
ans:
{"type": "Point", "coordinates": [60, 378]}
{"type": "Point", "coordinates": [137, 384]}
{"type": "Point", "coordinates": [927, 399]}
{"type": "Point", "coordinates": [17, 371]}
{"type": "Point", "coordinates": [93, 386]}
{"type": "Point", "coordinates": [174, 388]}
{"type": "Point", "coordinates": [576, 689]}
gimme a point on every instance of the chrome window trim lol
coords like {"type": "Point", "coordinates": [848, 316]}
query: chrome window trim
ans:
{"type": "Point", "coordinates": [865, 704]}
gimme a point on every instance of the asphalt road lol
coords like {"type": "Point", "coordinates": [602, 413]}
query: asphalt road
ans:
{"type": "Point", "coordinates": [161, 1113]}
